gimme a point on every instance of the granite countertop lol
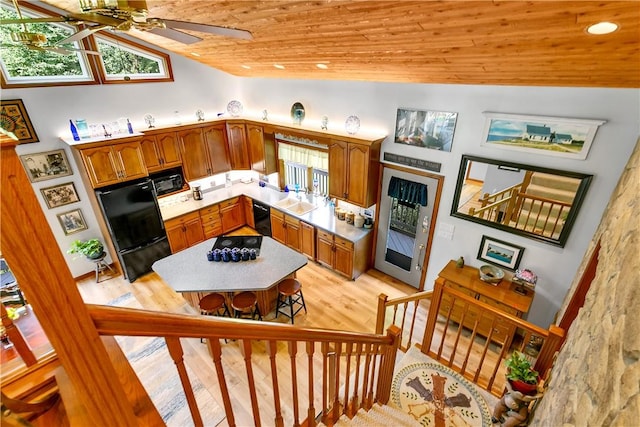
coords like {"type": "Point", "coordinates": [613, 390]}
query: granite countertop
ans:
{"type": "Point", "coordinates": [321, 217]}
{"type": "Point", "coordinates": [190, 271]}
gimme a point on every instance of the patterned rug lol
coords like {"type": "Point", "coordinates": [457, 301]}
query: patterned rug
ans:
{"type": "Point", "coordinates": [436, 396]}
{"type": "Point", "coordinates": [163, 385]}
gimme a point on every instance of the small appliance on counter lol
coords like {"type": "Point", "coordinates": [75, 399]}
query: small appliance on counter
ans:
{"type": "Point", "coordinates": [197, 193]}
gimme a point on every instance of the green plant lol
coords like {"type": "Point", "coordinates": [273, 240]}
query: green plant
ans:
{"type": "Point", "coordinates": [89, 248]}
{"type": "Point", "coordinates": [519, 369]}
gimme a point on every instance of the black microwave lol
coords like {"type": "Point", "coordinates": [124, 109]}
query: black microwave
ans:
{"type": "Point", "coordinates": [168, 181]}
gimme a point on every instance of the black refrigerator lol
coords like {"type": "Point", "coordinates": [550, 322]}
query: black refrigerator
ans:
{"type": "Point", "coordinates": [135, 225]}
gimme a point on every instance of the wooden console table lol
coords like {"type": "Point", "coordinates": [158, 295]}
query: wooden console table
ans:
{"type": "Point", "coordinates": [501, 296]}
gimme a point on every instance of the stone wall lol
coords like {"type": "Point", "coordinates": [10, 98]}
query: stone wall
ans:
{"type": "Point", "coordinates": [596, 378]}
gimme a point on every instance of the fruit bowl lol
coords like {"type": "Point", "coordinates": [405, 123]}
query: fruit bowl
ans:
{"type": "Point", "coordinates": [491, 274]}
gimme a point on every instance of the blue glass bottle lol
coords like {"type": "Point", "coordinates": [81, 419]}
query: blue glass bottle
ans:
{"type": "Point", "coordinates": [74, 131]}
{"type": "Point", "coordinates": [129, 127]}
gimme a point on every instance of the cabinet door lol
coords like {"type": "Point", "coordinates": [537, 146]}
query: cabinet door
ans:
{"type": "Point", "coordinates": [343, 262]}
{"type": "Point", "coordinates": [130, 160]}
{"type": "Point", "coordinates": [292, 232]}
{"type": "Point", "coordinates": [237, 146]}
{"type": "Point", "coordinates": [151, 153]}
{"type": "Point", "coordinates": [277, 226]}
{"type": "Point", "coordinates": [195, 159]}
{"type": "Point", "coordinates": [338, 169]}
{"type": "Point", "coordinates": [325, 252]}
{"type": "Point", "coordinates": [101, 166]}
{"type": "Point", "coordinates": [308, 240]}
{"type": "Point", "coordinates": [255, 139]}
{"type": "Point", "coordinates": [193, 231]}
{"type": "Point", "coordinates": [247, 202]}
{"type": "Point", "coordinates": [232, 215]}
{"type": "Point", "coordinates": [176, 236]}
{"type": "Point", "coordinates": [358, 172]}
{"type": "Point", "coordinates": [216, 140]}
{"type": "Point", "coordinates": [169, 148]}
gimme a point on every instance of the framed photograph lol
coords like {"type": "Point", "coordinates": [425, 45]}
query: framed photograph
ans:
{"type": "Point", "coordinates": [47, 165]}
{"type": "Point", "coordinates": [15, 122]}
{"type": "Point", "coordinates": [60, 195]}
{"type": "Point", "coordinates": [72, 221]}
{"type": "Point", "coordinates": [499, 253]}
{"type": "Point", "coordinates": [429, 129]}
{"type": "Point", "coordinates": [552, 136]}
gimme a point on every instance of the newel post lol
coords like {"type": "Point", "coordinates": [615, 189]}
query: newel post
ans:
{"type": "Point", "coordinates": [385, 376]}
{"type": "Point", "coordinates": [549, 349]}
{"type": "Point", "coordinates": [380, 314]}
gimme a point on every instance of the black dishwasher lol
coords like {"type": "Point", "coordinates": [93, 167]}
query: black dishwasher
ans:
{"type": "Point", "coordinates": [262, 218]}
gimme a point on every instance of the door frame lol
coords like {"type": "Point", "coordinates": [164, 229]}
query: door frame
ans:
{"type": "Point", "coordinates": [432, 222]}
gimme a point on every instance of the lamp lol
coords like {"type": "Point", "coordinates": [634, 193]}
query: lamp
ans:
{"type": "Point", "coordinates": [524, 279]}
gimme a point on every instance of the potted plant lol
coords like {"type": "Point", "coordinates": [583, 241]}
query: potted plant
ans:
{"type": "Point", "coordinates": [91, 248]}
{"type": "Point", "coordinates": [520, 374]}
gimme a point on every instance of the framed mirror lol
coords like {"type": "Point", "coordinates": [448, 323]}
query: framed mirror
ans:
{"type": "Point", "coordinates": [530, 201]}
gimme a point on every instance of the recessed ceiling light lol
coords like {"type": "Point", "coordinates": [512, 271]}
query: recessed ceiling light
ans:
{"type": "Point", "coordinates": [246, 67]}
{"type": "Point", "coordinates": [602, 28]}
{"type": "Point", "coordinates": [322, 66]}
{"type": "Point", "coordinates": [195, 54]}
{"type": "Point", "coordinates": [278, 66]}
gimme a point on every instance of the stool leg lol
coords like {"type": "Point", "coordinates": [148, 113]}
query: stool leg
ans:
{"type": "Point", "coordinates": [291, 308]}
{"type": "Point", "coordinates": [302, 299]}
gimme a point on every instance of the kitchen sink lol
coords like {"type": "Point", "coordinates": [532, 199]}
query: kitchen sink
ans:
{"type": "Point", "coordinates": [298, 207]}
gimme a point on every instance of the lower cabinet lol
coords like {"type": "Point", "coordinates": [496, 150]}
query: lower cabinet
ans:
{"type": "Point", "coordinates": [247, 202]}
{"type": "Point", "coordinates": [285, 229]}
{"type": "Point", "coordinates": [184, 231]}
{"type": "Point", "coordinates": [308, 240]}
{"type": "Point", "coordinates": [232, 214]}
{"type": "Point", "coordinates": [344, 256]}
{"type": "Point", "coordinates": [211, 222]}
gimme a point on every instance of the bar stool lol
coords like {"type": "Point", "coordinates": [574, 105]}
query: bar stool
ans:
{"type": "Point", "coordinates": [246, 303]}
{"type": "Point", "coordinates": [101, 265]}
{"type": "Point", "coordinates": [211, 304]}
{"type": "Point", "coordinates": [290, 293]}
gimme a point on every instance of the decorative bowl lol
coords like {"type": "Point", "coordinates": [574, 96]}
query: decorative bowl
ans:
{"type": "Point", "coordinates": [491, 274]}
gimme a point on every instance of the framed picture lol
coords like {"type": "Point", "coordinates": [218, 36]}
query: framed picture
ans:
{"type": "Point", "coordinates": [15, 122]}
{"type": "Point", "coordinates": [72, 221]}
{"type": "Point", "coordinates": [430, 129]}
{"type": "Point", "coordinates": [60, 195]}
{"type": "Point", "coordinates": [552, 136]}
{"type": "Point", "coordinates": [47, 165]}
{"type": "Point", "coordinates": [500, 253]}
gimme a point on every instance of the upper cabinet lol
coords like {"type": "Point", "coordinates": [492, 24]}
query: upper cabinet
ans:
{"type": "Point", "coordinates": [204, 151]}
{"type": "Point", "coordinates": [237, 139]}
{"type": "Point", "coordinates": [354, 171]}
{"type": "Point", "coordinates": [111, 164]}
{"type": "Point", "coordinates": [216, 138]}
{"type": "Point", "coordinates": [161, 151]}
{"type": "Point", "coordinates": [262, 149]}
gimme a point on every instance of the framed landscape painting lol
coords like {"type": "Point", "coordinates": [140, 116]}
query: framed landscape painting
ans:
{"type": "Point", "coordinates": [500, 253]}
{"type": "Point", "coordinates": [429, 129]}
{"type": "Point", "coordinates": [60, 195]}
{"type": "Point", "coordinates": [47, 165]}
{"type": "Point", "coordinates": [552, 136]}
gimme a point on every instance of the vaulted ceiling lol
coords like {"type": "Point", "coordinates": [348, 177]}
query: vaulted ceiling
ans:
{"type": "Point", "coordinates": [538, 43]}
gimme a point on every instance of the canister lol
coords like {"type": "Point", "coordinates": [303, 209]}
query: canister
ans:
{"type": "Point", "coordinates": [349, 217]}
{"type": "Point", "coordinates": [358, 221]}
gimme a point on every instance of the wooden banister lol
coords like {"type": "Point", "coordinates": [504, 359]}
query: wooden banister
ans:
{"type": "Point", "coordinates": [412, 300]}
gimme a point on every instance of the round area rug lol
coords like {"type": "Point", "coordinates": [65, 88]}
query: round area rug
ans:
{"type": "Point", "coordinates": [436, 396]}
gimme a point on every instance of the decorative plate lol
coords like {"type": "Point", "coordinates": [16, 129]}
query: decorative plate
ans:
{"type": "Point", "coordinates": [297, 113]}
{"type": "Point", "coordinates": [149, 120]}
{"type": "Point", "coordinates": [234, 108]}
{"type": "Point", "coordinates": [352, 125]}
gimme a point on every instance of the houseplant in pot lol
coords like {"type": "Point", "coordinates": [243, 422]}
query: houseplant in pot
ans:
{"type": "Point", "coordinates": [520, 374]}
{"type": "Point", "coordinates": [91, 248]}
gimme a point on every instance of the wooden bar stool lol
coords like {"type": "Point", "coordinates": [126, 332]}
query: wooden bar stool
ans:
{"type": "Point", "coordinates": [211, 305]}
{"type": "Point", "coordinates": [290, 293]}
{"type": "Point", "coordinates": [246, 303]}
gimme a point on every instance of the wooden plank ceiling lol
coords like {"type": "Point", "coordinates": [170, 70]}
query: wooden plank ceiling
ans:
{"type": "Point", "coordinates": [538, 43]}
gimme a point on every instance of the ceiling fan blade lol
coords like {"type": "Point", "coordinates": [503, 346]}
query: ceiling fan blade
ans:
{"type": "Point", "coordinates": [176, 35]}
{"type": "Point", "coordinates": [35, 20]}
{"type": "Point", "coordinates": [211, 29]}
{"type": "Point", "coordinates": [82, 34]}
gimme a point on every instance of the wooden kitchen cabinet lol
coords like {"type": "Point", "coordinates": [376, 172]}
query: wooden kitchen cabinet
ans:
{"type": "Point", "coordinates": [232, 214]}
{"type": "Point", "coordinates": [342, 255]}
{"type": "Point", "coordinates": [184, 231]}
{"type": "Point", "coordinates": [285, 229]}
{"type": "Point", "coordinates": [353, 171]}
{"type": "Point", "coordinates": [216, 139]}
{"type": "Point", "coordinates": [237, 142]}
{"type": "Point", "coordinates": [211, 221]}
{"type": "Point", "coordinates": [308, 240]}
{"type": "Point", "coordinates": [204, 151]}
{"type": "Point", "coordinates": [161, 151]}
{"type": "Point", "coordinates": [262, 151]}
{"type": "Point", "coordinates": [111, 164]}
{"type": "Point", "coordinates": [501, 296]}
{"type": "Point", "coordinates": [247, 203]}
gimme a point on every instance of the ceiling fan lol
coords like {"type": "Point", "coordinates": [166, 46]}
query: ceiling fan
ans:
{"type": "Point", "coordinates": [123, 15]}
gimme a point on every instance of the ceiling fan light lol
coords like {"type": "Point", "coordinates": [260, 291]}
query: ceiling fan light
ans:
{"type": "Point", "coordinates": [246, 67]}
{"type": "Point", "coordinates": [29, 38]}
{"type": "Point", "coordinates": [602, 28]}
{"type": "Point", "coordinates": [278, 66]}
{"type": "Point", "coordinates": [322, 66]}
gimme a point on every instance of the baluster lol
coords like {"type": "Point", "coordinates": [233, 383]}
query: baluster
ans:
{"type": "Point", "coordinates": [347, 375]}
{"type": "Point", "coordinates": [460, 328]}
{"type": "Point", "coordinates": [327, 383]}
{"type": "Point", "coordinates": [245, 349]}
{"type": "Point", "coordinates": [367, 370]}
{"type": "Point", "coordinates": [472, 338]}
{"type": "Point", "coordinates": [216, 355]}
{"type": "Point", "coordinates": [272, 348]}
{"type": "Point", "coordinates": [311, 412]}
{"type": "Point", "coordinates": [416, 305]}
{"type": "Point", "coordinates": [354, 404]}
{"type": "Point", "coordinates": [404, 317]}
{"type": "Point", "coordinates": [175, 350]}
{"type": "Point", "coordinates": [374, 357]}
{"type": "Point", "coordinates": [387, 363]}
{"type": "Point", "coordinates": [19, 342]}
{"type": "Point", "coordinates": [336, 401]}
{"type": "Point", "coordinates": [293, 350]}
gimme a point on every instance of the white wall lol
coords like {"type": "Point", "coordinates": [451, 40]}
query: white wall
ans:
{"type": "Point", "coordinates": [197, 86]}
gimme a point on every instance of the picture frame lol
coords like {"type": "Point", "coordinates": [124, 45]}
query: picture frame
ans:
{"type": "Point", "coordinates": [500, 253]}
{"type": "Point", "coordinates": [60, 195]}
{"type": "Point", "coordinates": [551, 136]}
{"type": "Point", "coordinates": [72, 221]}
{"type": "Point", "coordinates": [15, 122]}
{"type": "Point", "coordinates": [424, 128]}
{"type": "Point", "coordinates": [46, 165]}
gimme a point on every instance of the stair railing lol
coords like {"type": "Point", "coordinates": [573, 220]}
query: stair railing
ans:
{"type": "Point", "coordinates": [540, 215]}
{"type": "Point", "coordinates": [407, 306]}
{"type": "Point", "coordinates": [355, 370]}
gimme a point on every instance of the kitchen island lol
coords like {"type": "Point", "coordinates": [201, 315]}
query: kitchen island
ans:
{"type": "Point", "coordinates": [190, 273]}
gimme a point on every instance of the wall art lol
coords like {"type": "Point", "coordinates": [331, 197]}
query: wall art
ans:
{"type": "Point", "coordinates": [551, 136]}
{"type": "Point", "coordinates": [15, 121]}
{"type": "Point", "coordinates": [500, 253]}
{"type": "Point", "coordinates": [72, 221]}
{"type": "Point", "coordinates": [430, 129]}
{"type": "Point", "coordinates": [60, 195]}
{"type": "Point", "coordinates": [47, 165]}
